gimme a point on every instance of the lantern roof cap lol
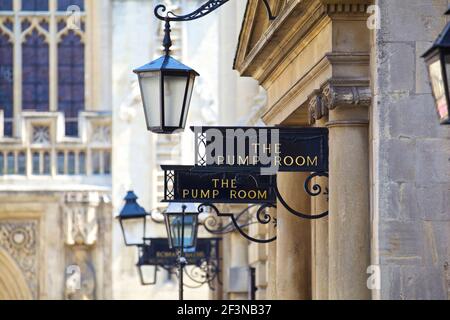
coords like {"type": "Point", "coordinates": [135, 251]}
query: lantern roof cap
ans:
{"type": "Point", "coordinates": [131, 209]}
{"type": "Point", "coordinates": [442, 41]}
{"type": "Point", "coordinates": [177, 208]}
{"type": "Point", "coordinates": [165, 63]}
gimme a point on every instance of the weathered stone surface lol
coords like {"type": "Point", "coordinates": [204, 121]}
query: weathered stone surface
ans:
{"type": "Point", "coordinates": [412, 171]}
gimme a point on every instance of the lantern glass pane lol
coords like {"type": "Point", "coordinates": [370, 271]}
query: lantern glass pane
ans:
{"type": "Point", "coordinates": [176, 222]}
{"type": "Point", "coordinates": [150, 83]}
{"type": "Point", "coordinates": [174, 93]}
{"type": "Point", "coordinates": [133, 231]}
{"type": "Point", "coordinates": [147, 274]}
{"type": "Point", "coordinates": [438, 87]}
{"type": "Point", "coordinates": [190, 89]}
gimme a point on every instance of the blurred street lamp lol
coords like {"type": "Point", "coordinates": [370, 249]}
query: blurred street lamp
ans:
{"type": "Point", "coordinates": [132, 220]}
{"type": "Point", "coordinates": [437, 59]}
{"type": "Point", "coordinates": [182, 225]}
{"type": "Point", "coordinates": [182, 229]}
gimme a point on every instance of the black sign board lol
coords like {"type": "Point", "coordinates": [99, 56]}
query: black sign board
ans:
{"type": "Point", "coordinates": [187, 184]}
{"type": "Point", "coordinates": [274, 148]}
{"type": "Point", "coordinates": [158, 253]}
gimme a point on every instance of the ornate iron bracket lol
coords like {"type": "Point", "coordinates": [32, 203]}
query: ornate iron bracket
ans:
{"type": "Point", "coordinates": [163, 14]}
{"type": "Point", "coordinates": [202, 11]}
{"type": "Point", "coordinates": [262, 217]}
{"type": "Point", "coordinates": [313, 190]}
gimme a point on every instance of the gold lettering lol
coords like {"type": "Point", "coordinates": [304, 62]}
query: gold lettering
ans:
{"type": "Point", "coordinates": [277, 148]}
{"type": "Point", "coordinates": [215, 182]}
{"type": "Point", "coordinates": [233, 194]}
{"type": "Point", "coordinates": [233, 183]}
{"type": "Point", "coordinates": [302, 161]}
{"type": "Point", "coordinates": [242, 160]}
{"type": "Point", "coordinates": [262, 194]}
{"type": "Point", "coordinates": [290, 159]}
{"type": "Point", "coordinates": [204, 194]}
{"type": "Point", "coordinates": [312, 162]}
{"type": "Point", "coordinates": [185, 193]}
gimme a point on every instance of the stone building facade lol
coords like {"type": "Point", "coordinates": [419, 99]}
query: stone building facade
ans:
{"type": "Point", "coordinates": [355, 67]}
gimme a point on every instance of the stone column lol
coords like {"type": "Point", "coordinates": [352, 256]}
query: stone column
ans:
{"type": "Point", "coordinates": [238, 286]}
{"type": "Point", "coordinates": [349, 237]}
{"type": "Point", "coordinates": [293, 276]}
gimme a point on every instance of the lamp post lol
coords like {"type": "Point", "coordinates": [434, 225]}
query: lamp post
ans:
{"type": "Point", "coordinates": [437, 59]}
{"type": "Point", "coordinates": [166, 84]}
{"type": "Point", "coordinates": [182, 229]}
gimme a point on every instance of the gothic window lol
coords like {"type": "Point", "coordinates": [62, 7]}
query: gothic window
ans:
{"type": "Point", "coordinates": [34, 5]}
{"type": "Point", "coordinates": [46, 169]}
{"type": "Point", "coordinates": [50, 44]}
{"type": "Point", "coordinates": [21, 163]}
{"type": "Point", "coordinates": [2, 163]}
{"type": "Point", "coordinates": [64, 5]}
{"type": "Point", "coordinates": [71, 80]}
{"type": "Point", "coordinates": [10, 163]}
{"type": "Point", "coordinates": [6, 82]}
{"type": "Point", "coordinates": [6, 5]}
{"type": "Point", "coordinates": [36, 163]}
{"type": "Point", "coordinates": [60, 160]}
{"type": "Point", "coordinates": [82, 163]}
{"type": "Point", "coordinates": [35, 73]}
{"type": "Point", "coordinates": [71, 163]}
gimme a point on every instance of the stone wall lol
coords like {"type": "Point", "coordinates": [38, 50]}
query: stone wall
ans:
{"type": "Point", "coordinates": [410, 151]}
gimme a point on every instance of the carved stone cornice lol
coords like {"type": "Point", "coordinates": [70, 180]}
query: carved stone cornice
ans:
{"type": "Point", "coordinates": [338, 93]}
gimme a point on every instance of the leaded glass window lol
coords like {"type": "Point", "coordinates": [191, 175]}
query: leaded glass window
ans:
{"type": "Point", "coordinates": [71, 80]}
{"type": "Point", "coordinates": [6, 82]}
{"type": "Point", "coordinates": [35, 73]}
{"type": "Point", "coordinates": [21, 163]}
{"type": "Point", "coordinates": [35, 44]}
{"type": "Point", "coordinates": [10, 163]}
{"type": "Point", "coordinates": [6, 5]}
{"type": "Point", "coordinates": [63, 5]}
{"type": "Point", "coordinates": [36, 163]}
{"type": "Point", "coordinates": [34, 5]}
{"type": "Point", "coordinates": [46, 163]}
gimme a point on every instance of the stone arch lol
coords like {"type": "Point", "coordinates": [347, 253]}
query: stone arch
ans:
{"type": "Point", "coordinates": [13, 285]}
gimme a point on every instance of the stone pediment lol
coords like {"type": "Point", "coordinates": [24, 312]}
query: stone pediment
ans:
{"type": "Point", "coordinates": [263, 43]}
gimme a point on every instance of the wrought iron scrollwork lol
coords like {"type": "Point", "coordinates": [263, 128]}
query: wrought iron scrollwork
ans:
{"type": "Point", "coordinates": [205, 273]}
{"type": "Point", "coordinates": [311, 189]}
{"type": "Point", "coordinates": [205, 9]}
{"type": "Point", "coordinates": [262, 217]}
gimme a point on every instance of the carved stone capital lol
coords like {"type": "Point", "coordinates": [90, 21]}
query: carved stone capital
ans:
{"type": "Point", "coordinates": [341, 94]}
{"type": "Point", "coordinates": [334, 94]}
{"type": "Point", "coordinates": [316, 108]}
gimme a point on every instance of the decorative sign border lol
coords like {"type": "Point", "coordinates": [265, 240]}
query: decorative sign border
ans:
{"type": "Point", "coordinates": [187, 184]}
{"type": "Point", "coordinates": [158, 253]}
{"type": "Point", "coordinates": [285, 149]}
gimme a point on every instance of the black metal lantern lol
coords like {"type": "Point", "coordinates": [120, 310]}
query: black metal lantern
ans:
{"type": "Point", "coordinates": [182, 225]}
{"type": "Point", "coordinates": [132, 220]}
{"type": "Point", "coordinates": [437, 59]}
{"type": "Point", "coordinates": [166, 89]}
{"type": "Point", "coordinates": [147, 271]}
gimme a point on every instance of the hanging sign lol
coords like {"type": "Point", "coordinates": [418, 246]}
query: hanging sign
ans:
{"type": "Point", "coordinates": [158, 253]}
{"type": "Point", "coordinates": [272, 149]}
{"type": "Point", "coordinates": [187, 184]}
